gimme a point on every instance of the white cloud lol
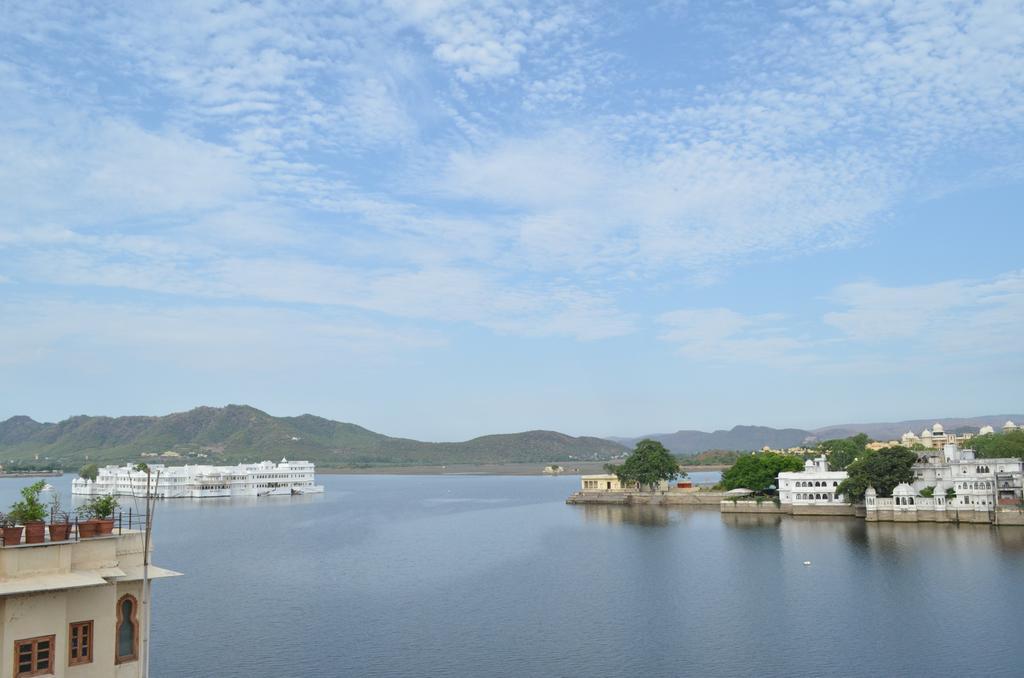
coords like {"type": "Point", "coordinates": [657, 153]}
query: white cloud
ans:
{"type": "Point", "coordinates": [583, 203]}
{"type": "Point", "coordinates": [883, 328]}
{"type": "Point", "coordinates": [483, 39]}
{"type": "Point", "coordinates": [110, 171]}
{"type": "Point", "coordinates": [956, 318]}
{"type": "Point", "coordinates": [721, 335]}
{"type": "Point", "coordinates": [261, 152]}
{"type": "Point", "coordinates": [200, 337]}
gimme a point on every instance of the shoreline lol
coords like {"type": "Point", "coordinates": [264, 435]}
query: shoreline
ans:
{"type": "Point", "coordinates": [496, 469]}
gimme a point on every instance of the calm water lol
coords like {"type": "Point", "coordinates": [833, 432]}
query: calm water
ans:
{"type": "Point", "coordinates": [496, 576]}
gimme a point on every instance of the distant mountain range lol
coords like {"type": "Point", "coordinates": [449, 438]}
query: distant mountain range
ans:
{"type": "Point", "coordinates": [241, 433]}
{"type": "Point", "coordinates": [756, 437]}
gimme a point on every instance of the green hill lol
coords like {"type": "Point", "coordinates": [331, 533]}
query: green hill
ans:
{"type": "Point", "coordinates": [241, 433]}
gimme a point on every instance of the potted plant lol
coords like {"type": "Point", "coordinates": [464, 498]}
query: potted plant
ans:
{"type": "Point", "coordinates": [103, 508]}
{"type": "Point", "coordinates": [31, 513]}
{"type": "Point", "coordinates": [86, 521]}
{"type": "Point", "coordinates": [11, 532]}
{"type": "Point", "coordinates": [60, 520]}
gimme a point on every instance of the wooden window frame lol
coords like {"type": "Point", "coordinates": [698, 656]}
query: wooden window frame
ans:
{"type": "Point", "coordinates": [118, 659]}
{"type": "Point", "coordinates": [72, 628]}
{"type": "Point", "coordinates": [35, 642]}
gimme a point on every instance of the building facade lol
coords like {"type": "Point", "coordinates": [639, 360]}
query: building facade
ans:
{"type": "Point", "coordinates": [956, 487]}
{"type": "Point", "coordinates": [196, 482]}
{"type": "Point", "coordinates": [609, 482]}
{"type": "Point", "coordinates": [75, 608]}
{"type": "Point", "coordinates": [815, 485]}
{"type": "Point", "coordinates": [976, 483]}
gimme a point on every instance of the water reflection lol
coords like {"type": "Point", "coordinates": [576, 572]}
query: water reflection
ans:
{"type": "Point", "coordinates": [1010, 539]}
{"type": "Point", "coordinates": [647, 516]}
{"type": "Point", "coordinates": [748, 520]}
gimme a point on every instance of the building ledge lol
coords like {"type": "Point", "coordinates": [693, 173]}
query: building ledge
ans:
{"type": "Point", "coordinates": [50, 582]}
{"type": "Point", "coordinates": [134, 573]}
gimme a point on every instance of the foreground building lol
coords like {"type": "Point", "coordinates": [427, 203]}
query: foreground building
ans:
{"type": "Point", "coordinates": [197, 482]}
{"type": "Point", "coordinates": [74, 608]}
{"type": "Point", "coordinates": [606, 482]}
{"type": "Point", "coordinates": [814, 486]}
{"type": "Point", "coordinates": [962, 489]}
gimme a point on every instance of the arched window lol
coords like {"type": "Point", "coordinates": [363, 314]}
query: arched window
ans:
{"type": "Point", "coordinates": [127, 638]}
{"type": "Point", "coordinates": [835, 484]}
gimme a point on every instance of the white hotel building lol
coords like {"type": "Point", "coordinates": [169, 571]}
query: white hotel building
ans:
{"type": "Point", "coordinates": [814, 486]}
{"type": "Point", "coordinates": [978, 483]}
{"type": "Point", "coordinates": [200, 481]}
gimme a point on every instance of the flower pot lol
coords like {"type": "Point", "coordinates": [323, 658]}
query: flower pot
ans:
{"type": "Point", "coordinates": [35, 532]}
{"type": "Point", "coordinates": [12, 535]}
{"type": "Point", "coordinates": [87, 529]}
{"type": "Point", "coordinates": [104, 526]}
{"type": "Point", "coordinates": [59, 531]}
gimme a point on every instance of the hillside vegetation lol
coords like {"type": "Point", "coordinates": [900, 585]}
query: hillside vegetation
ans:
{"type": "Point", "coordinates": [239, 433]}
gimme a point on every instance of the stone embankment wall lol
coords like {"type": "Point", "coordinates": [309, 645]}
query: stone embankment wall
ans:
{"type": "Point", "coordinates": [1009, 517]}
{"type": "Point", "coordinates": [1002, 516]}
{"type": "Point", "coordinates": [670, 498]}
{"type": "Point", "coordinates": [740, 506]}
{"type": "Point", "coordinates": [950, 515]}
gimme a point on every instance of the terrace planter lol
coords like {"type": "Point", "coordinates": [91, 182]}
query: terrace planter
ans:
{"type": "Point", "coordinates": [35, 532]}
{"type": "Point", "coordinates": [105, 526]}
{"type": "Point", "coordinates": [59, 531]}
{"type": "Point", "coordinates": [12, 535]}
{"type": "Point", "coordinates": [87, 529]}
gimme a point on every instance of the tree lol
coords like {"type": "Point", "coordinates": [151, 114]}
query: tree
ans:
{"type": "Point", "coordinates": [842, 451]}
{"type": "Point", "coordinates": [759, 471]}
{"type": "Point", "coordinates": [999, 445]}
{"type": "Point", "coordinates": [29, 509]}
{"type": "Point", "coordinates": [649, 464]}
{"type": "Point", "coordinates": [883, 469]}
{"type": "Point", "coordinates": [89, 472]}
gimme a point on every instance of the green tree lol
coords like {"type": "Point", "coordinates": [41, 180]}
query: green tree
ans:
{"type": "Point", "coordinates": [89, 472]}
{"type": "Point", "coordinates": [883, 469]}
{"type": "Point", "coordinates": [649, 464]}
{"type": "Point", "coordinates": [29, 509]}
{"type": "Point", "coordinates": [842, 451]}
{"type": "Point", "coordinates": [759, 471]}
{"type": "Point", "coordinates": [999, 445]}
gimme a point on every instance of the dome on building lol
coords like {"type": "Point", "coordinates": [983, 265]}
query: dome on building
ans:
{"type": "Point", "coordinates": [1009, 425]}
{"type": "Point", "coordinates": [926, 433]}
{"type": "Point", "coordinates": [870, 492]}
{"type": "Point", "coordinates": [937, 428]}
{"type": "Point", "coordinates": [903, 490]}
{"type": "Point", "coordinates": [985, 430]}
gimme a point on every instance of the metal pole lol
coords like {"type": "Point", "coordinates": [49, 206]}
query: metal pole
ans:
{"type": "Point", "coordinates": [150, 507]}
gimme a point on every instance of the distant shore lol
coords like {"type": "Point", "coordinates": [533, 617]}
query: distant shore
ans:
{"type": "Point", "coordinates": [510, 469]}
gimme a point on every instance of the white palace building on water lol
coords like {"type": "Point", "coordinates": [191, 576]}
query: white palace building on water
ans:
{"type": "Point", "coordinates": [814, 485]}
{"type": "Point", "coordinates": [958, 484]}
{"type": "Point", "coordinates": [200, 481]}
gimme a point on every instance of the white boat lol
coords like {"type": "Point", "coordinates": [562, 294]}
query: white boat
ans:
{"type": "Point", "coordinates": [201, 481]}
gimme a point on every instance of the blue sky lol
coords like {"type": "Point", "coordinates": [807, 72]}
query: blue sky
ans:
{"type": "Point", "coordinates": [443, 218]}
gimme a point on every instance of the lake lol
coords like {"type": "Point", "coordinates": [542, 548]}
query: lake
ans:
{"type": "Point", "coordinates": [469, 576]}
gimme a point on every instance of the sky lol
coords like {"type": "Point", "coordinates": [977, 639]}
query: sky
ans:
{"type": "Point", "coordinates": [445, 218]}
